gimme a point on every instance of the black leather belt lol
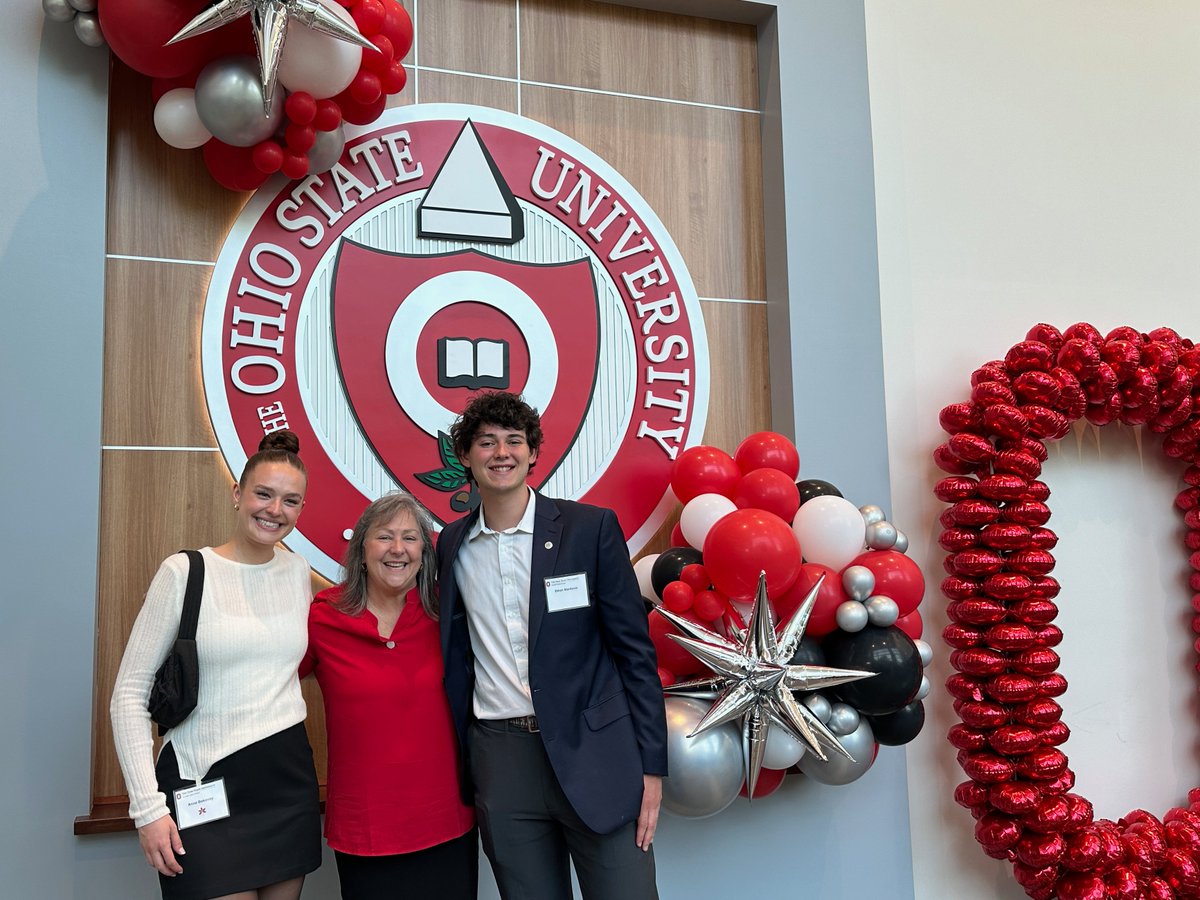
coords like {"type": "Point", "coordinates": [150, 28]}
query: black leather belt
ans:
{"type": "Point", "coordinates": [523, 723]}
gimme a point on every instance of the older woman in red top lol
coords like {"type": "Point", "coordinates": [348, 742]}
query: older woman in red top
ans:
{"type": "Point", "coordinates": [394, 814]}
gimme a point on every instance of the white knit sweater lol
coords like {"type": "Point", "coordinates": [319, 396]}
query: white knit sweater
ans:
{"type": "Point", "coordinates": [252, 634]}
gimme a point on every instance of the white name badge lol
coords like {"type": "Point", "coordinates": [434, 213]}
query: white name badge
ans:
{"type": "Point", "coordinates": [566, 592]}
{"type": "Point", "coordinates": [200, 804]}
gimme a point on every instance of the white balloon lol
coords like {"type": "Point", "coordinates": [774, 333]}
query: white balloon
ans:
{"type": "Point", "coordinates": [177, 122]}
{"type": "Point", "coordinates": [700, 514]}
{"type": "Point", "coordinates": [782, 750]}
{"type": "Point", "coordinates": [831, 531]}
{"type": "Point", "coordinates": [641, 569]}
{"type": "Point", "coordinates": [319, 63]}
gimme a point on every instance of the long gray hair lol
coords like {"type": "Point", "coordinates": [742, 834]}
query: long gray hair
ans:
{"type": "Point", "coordinates": [354, 572]}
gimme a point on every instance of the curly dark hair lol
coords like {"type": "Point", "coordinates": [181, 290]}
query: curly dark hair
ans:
{"type": "Point", "coordinates": [501, 408]}
{"type": "Point", "coordinates": [281, 446]}
{"type": "Point", "coordinates": [353, 599]}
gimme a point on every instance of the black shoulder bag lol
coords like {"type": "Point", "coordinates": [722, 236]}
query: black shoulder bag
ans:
{"type": "Point", "coordinates": [177, 682]}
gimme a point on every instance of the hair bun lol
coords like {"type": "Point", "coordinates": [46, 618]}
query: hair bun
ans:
{"type": "Point", "coordinates": [281, 440]}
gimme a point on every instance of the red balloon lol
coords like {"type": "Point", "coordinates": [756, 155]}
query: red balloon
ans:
{"type": "Point", "coordinates": [768, 489]}
{"type": "Point", "coordinates": [745, 543]}
{"type": "Point", "coordinates": [369, 16]}
{"type": "Point", "coordinates": [768, 450]}
{"type": "Point", "coordinates": [360, 113]}
{"type": "Point", "coordinates": [695, 576]}
{"type": "Point", "coordinates": [398, 27]}
{"type": "Point", "coordinates": [678, 597]}
{"type": "Point", "coordinates": [671, 656]}
{"type": "Point", "coordinates": [768, 783]}
{"type": "Point", "coordinates": [294, 165]}
{"type": "Point", "coordinates": [366, 87]}
{"type": "Point", "coordinates": [232, 167]}
{"type": "Point", "coordinates": [267, 156]}
{"type": "Point", "coordinates": [823, 618]}
{"type": "Point", "coordinates": [393, 78]}
{"type": "Point", "coordinates": [138, 30]}
{"type": "Point", "coordinates": [896, 576]}
{"type": "Point", "coordinates": [380, 58]}
{"type": "Point", "coordinates": [300, 137]}
{"type": "Point", "coordinates": [704, 470]}
{"type": "Point", "coordinates": [911, 625]}
{"type": "Point", "coordinates": [328, 117]}
{"type": "Point", "coordinates": [300, 107]}
{"type": "Point", "coordinates": [709, 606]}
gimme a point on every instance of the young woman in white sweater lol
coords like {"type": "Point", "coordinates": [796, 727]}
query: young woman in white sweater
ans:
{"type": "Point", "coordinates": [248, 727]}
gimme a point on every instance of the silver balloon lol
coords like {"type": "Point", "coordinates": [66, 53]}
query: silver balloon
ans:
{"type": "Point", "coordinates": [858, 582]}
{"type": "Point", "coordinates": [901, 545]}
{"type": "Point", "coordinates": [881, 610]}
{"type": "Point", "coordinates": [58, 10]}
{"type": "Point", "coordinates": [843, 719]}
{"type": "Point", "coordinates": [851, 616]}
{"type": "Point", "coordinates": [87, 29]}
{"type": "Point", "coordinates": [707, 770]}
{"type": "Point", "coordinates": [327, 150]}
{"type": "Point", "coordinates": [925, 649]}
{"type": "Point", "coordinates": [923, 690]}
{"type": "Point", "coordinates": [881, 535]}
{"type": "Point", "coordinates": [818, 706]}
{"type": "Point", "coordinates": [836, 769]}
{"type": "Point", "coordinates": [83, 5]}
{"type": "Point", "coordinates": [872, 514]}
{"type": "Point", "coordinates": [229, 101]}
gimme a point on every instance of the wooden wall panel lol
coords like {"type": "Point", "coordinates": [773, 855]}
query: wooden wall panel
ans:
{"type": "Point", "coordinates": [700, 169]}
{"type": "Point", "coordinates": [697, 163]}
{"type": "Point", "coordinates": [638, 51]}
{"type": "Point", "coordinates": [161, 201]}
{"type": "Point", "coordinates": [469, 36]}
{"type": "Point", "coordinates": [442, 87]}
{"type": "Point", "coordinates": [153, 395]}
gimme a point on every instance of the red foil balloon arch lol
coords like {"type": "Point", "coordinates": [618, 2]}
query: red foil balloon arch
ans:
{"type": "Point", "coordinates": [1019, 783]}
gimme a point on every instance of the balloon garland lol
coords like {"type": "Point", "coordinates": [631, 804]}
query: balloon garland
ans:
{"type": "Point", "coordinates": [829, 579]}
{"type": "Point", "coordinates": [1002, 606]}
{"type": "Point", "coordinates": [207, 85]}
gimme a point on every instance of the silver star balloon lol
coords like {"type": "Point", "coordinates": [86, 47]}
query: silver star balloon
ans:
{"type": "Point", "coordinates": [754, 680]}
{"type": "Point", "coordinates": [270, 19]}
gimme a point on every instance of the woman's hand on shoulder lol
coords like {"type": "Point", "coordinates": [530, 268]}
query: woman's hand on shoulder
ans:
{"type": "Point", "coordinates": [161, 844]}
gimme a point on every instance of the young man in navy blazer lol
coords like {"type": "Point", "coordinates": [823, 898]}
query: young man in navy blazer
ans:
{"type": "Point", "coordinates": [550, 672]}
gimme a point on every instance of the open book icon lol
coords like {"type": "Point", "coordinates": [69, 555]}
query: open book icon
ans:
{"type": "Point", "coordinates": [473, 364]}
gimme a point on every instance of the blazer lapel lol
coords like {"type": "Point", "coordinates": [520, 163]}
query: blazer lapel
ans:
{"type": "Point", "coordinates": [547, 529]}
{"type": "Point", "coordinates": [448, 587]}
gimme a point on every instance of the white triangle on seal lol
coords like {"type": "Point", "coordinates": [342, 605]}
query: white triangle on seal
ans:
{"type": "Point", "coordinates": [468, 199]}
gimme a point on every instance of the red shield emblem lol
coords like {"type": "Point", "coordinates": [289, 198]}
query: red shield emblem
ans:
{"type": "Point", "coordinates": [417, 335]}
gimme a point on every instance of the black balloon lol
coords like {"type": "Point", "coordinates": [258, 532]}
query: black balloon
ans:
{"type": "Point", "coordinates": [815, 487]}
{"type": "Point", "coordinates": [899, 727]}
{"type": "Point", "coordinates": [669, 564]}
{"type": "Point", "coordinates": [808, 653]}
{"type": "Point", "coordinates": [888, 652]}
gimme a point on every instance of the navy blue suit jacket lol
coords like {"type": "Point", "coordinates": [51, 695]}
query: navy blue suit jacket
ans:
{"type": "Point", "coordinates": [592, 671]}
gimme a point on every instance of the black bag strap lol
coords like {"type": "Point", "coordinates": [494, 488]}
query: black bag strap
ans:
{"type": "Point", "coordinates": [191, 596]}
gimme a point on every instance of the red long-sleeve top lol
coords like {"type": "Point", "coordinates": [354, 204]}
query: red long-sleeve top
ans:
{"type": "Point", "coordinates": [393, 765]}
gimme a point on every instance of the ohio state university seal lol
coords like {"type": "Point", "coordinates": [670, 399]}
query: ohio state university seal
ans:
{"type": "Point", "coordinates": [455, 249]}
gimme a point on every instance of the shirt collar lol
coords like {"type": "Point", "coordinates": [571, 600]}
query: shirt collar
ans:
{"type": "Point", "coordinates": [479, 527]}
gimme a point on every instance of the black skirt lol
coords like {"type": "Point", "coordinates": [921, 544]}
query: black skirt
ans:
{"type": "Point", "coordinates": [273, 831]}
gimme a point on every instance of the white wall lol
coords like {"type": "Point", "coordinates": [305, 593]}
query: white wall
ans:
{"type": "Point", "coordinates": [1039, 162]}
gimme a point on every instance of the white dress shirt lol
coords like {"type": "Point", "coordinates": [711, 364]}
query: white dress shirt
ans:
{"type": "Point", "coordinates": [492, 571]}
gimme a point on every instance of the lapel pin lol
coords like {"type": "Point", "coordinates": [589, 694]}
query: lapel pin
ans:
{"type": "Point", "coordinates": [549, 545]}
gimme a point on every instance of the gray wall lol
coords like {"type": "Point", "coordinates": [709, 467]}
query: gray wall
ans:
{"type": "Point", "coordinates": [809, 840]}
